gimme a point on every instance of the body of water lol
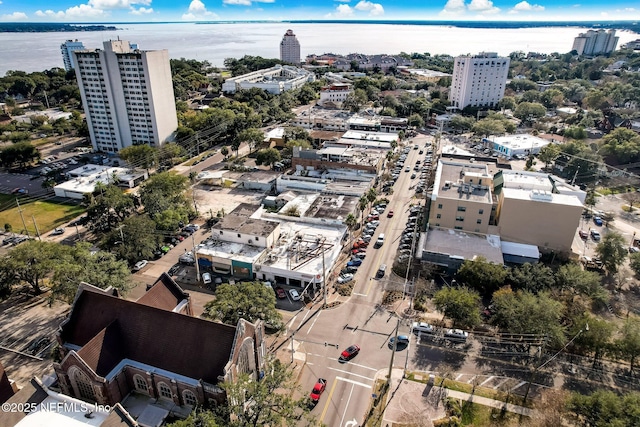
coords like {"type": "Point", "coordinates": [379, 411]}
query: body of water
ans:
{"type": "Point", "coordinates": [217, 41]}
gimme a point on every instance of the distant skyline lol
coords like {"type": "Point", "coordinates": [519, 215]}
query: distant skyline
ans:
{"type": "Point", "coordinates": [282, 10]}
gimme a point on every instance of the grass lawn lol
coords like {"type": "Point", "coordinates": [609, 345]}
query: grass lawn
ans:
{"type": "Point", "coordinates": [47, 214]}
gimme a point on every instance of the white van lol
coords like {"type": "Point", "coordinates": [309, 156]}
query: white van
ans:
{"type": "Point", "coordinates": [206, 278]}
{"type": "Point", "coordinates": [380, 241]}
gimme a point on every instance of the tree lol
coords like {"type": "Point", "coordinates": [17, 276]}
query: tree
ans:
{"type": "Point", "coordinates": [486, 277]}
{"type": "Point", "coordinates": [248, 300]}
{"type": "Point", "coordinates": [355, 100]}
{"type": "Point", "coordinates": [548, 154]}
{"type": "Point", "coordinates": [573, 278]}
{"type": "Point", "coordinates": [597, 338]}
{"type": "Point", "coordinates": [139, 156]}
{"type": "Point", "coordinates": [634, 262]}
{"type": "Point", "coordinates": [235, 145]}
{"type": "Point", "coordinates": [523, 312]}
{"type": "Point", "coordinates": [612, 250]}
{"type": "Point", "coordinates": [199, 418]}
{"type": "Point", "coordinates": [251, 136]}
{"type": "Point", "coordinates": [163, 191]}
{"type": "Point", "coordinates": [531, 277]}
{"type": "Point", "coordinates": [77, 264]}
{"type": "Point", "coordinates": [31, 262]}
{"type": "Point", "coordinates": [350, 221]}
{"type": "Point", "coordinates": [462, 123]}
{"type": "Point", "coordinates": [134, 240]}
{"type": "Point", "coordinates": [224, 151]}
{"type": "Point", "coordinates": [268, 156]}
{"type": "Point", "coordinates": [363, 202]}
{"type": "Point", "coordinates": [461, 305]}
{"type": "Point", "coordinates": [632, 198]}
{"type": "Point", "coordinates": [372, 195]}
{"type": "Point", "coordinates": [108, 207]}
{"type": "Point", "coordinates": [628, 344]}
{"type": "Point", "coordinates": [529, 110]}
{"type": "Point", "coordinates": [486, 127]}
{"type": "Point", "coordinates": [268, 402]}
{"type": "Point", "coordinates": [604, 409]}
{"type": "Point", "coordinates": [575, 132]}
{"type": "Point", "coordinates": [623, 143]}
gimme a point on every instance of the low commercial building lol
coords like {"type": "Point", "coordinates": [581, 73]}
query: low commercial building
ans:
{"type": "Point", "coordinates": [424, 75]}
{"type": "Point", "coordinates": [334, 95]}
{"type": "Point", "coordinates": [275, 80]}
{"type": "Point", "coordinates": [85, 178]}
{"type": "Point", "coordinates": [521, 144]}
{"type": "Point", "coordinates": [355, 159]}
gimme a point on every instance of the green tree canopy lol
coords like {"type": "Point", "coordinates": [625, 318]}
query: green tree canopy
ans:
{"type": "Point", "coordinates": [251, 136]}
{"type": "Point", "coordinates": [31, 262]}
{"type": "Point", "coordinates": [531, 277]}
{"type": "Point", "coordinates": [140, 156]}
{"type": "Point", "coordinates": [460, 304]}
{"type": "Point", "coordinates": [247, 300]}
{"type": "Point", "coordinates": [134, 240]}
{"type": "Point", "coordinates": [623, 143]}
{"type": "Point", "coordinates": [526, 110]}
{"type": "Point", "coordinates": [486, 127]}
{"type": "Point", "coordinates": [486, 277]}
{"type": "Point", "coordinates": [268, 156]}
{"type": "Point", "coordinates": [548, 154]}
{"type": "Point", "coordinates": [604, 409]}
{"type": "Point", "coordinates": [107, 207]}
{"type": "Point", "coordinates": [612, 250]}
{"type": "Point", "coordinates": [572, 277]}
{"type": "Point", "coordinates": [628, 343]}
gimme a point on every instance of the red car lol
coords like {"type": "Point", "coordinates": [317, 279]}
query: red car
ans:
{"type": "Point", "coordinates": [350, 352]}
{"type": "Point", "coordinates": [373, 217]}
{"type": "Point", "coordinates": [390, 214]}
{"type": "Point", "coordinates": [583, 234]}
{"type": "Point", "coordinates": [320, 386]}
{"type": "Point", "coordinates": [358, 251]}
{"type": "Point", "coordinates": [281, 293]}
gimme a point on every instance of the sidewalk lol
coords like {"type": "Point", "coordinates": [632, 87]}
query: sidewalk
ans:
{"type": "Point", "coordinates": [409, 399]}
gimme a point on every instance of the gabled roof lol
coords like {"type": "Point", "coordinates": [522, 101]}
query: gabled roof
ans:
{"type": "Point", "coordinates": [109, 328]}
{"type": "Point", "coordinates": [164, 293]}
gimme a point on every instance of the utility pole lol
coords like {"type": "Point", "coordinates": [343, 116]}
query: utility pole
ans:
{"type": "Point", "coordinates": [22, 217]}
{"type": "Point", "coordinates": [393, 352]}
{"type": "Point", "coordinates": [324, 274]}
{"type": "Point", "coordinates": [36, 226]}
{"type": "Point", "coordinates": [195, 257]}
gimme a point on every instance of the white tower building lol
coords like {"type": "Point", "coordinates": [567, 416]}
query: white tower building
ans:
{"type": "Point", "coordinates": [67, 49]}
{"type": "Point", "coordinates": [478, 81]}
{"type": "Point", "coordinates": [594, 43]}
{"type": "Point", "coordinates": [290, 48]}
{"type": "Point", "coordinates": [127, 95]}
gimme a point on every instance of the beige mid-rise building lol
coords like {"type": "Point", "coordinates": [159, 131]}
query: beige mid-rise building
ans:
{"type": "Point", "coordinates": [127, 95]}
{"type": "Point", "coordinates": [523, 207]}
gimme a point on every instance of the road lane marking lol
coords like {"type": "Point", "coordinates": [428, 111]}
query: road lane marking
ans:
{"type": "Point", "coordinates": [313, 323]}
{"type": "Point", "coordinates": [458, 377]}
{"type": "Point", "coordinates": [326, 405]}
{"type": "Point", "coordinates": [354, 382]}
{"type": "Point", "coordinates": [360, 295]}
{"type": "Point", "coordinates": [347, 405]}
{"type": "Point", "coordinates": [487, 380]}
{"type": "Point", "coordinates": [351, 373]}
{"type": "Point", "coordinates": [520, 384]}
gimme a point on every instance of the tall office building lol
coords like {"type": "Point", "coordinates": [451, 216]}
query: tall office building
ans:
{"type": "Point", "coordinates": [592, 43]}
{"type": "Point", "coordinates": [478, 81]}
{"type": "Point", "coordinates": [67, 49]}
{"type": "Point", "coordinates": [290, 48]}
{"type": "Point", "coordinates": [127, 95]}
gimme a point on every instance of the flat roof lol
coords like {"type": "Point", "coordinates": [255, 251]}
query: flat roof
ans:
{"type": "Point", "coordinates": [219, 248]}
{"type": "Point", "coordinates": [275, 133]}
{"type": "Point", "coordinates": [240, 221]}
{"type": "Point", "coordinates": [520, 249]}
{"type": "Point", "coordinates": [461, 244]}
{"type": "Point", "coordinates": [452, 149]}
{"type": "Point", "coordinates": [371, 136]}
{"type": "Point", "coordinates": [519, 141]}
{"type": "Point", "coordinates": [450, 173]}
{"type": "Point", "coordinates": [64, 411]}
{"type": "Point", "coordinates": [332, 206]}
{"type": "Point", "coordinates": [426, 72]}
{"type": "Point", "coordinates": [541, 196]}
{"type": "Point", "coordinates": [86, 177]}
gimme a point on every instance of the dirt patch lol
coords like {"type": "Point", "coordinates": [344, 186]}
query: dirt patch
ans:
{"type": "Point", "coordinates": [28, 327]}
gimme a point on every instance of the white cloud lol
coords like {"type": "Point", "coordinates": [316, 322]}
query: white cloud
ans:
{"type": "Point", "coordinates": [604, 14]}
{"type": "Point", "coordinates": [117, 4]}
{"type": "Point", "coordinates": [626, 9]}
{"type": "Point", "coordinates": [15, 16]}
{"type": "Point", "coordinates": [198, 10]}
{"type": "Point", "coordinates": [525, 6]}
{"type": "Point", "coordinates": [483, 6]}
{"type": "Point", "coordinates": [342, 11]}
{"type": "Point", "coordinates": [141, 11]}
{"type": "Point", "coordinates": [245, 2]}
{"type": "Point", "coordinates": [454, 7]}
{"type": "Point", "coordinates": [50, 14]}
{"type": "Point", "coordinates": [374, 9]}
{"type": "Point", "coordinates": [340, 1]}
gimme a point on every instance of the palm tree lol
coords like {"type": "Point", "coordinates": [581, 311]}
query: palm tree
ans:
{"type": "Point", "coordinates": [372, 194]}
{"type": "Point", "coordinates": [362, 205]}
{"type": "Point", "coordinates": [350, 220]}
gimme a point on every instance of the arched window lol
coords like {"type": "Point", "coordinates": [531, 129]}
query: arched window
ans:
{"type": "Point", "coordinates": [189, 398]}
{"type": "Point", "coordinates": [83, 386]}
{"type": "Point", "coordinates": [140, 383]}
{"type": "Point", "coordinates": [165, 391]}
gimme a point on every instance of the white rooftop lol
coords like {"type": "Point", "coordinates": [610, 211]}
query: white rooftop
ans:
{"type": "Point", "coordinates": [63, 411]}
{"type": "Point", "coordinates": [276, 133]}
{"type": "Point", "coordinates": [371, 136]}
{"type": "Point", "coordinates": [86, 177]}
{"type": "Point", "coordinates": [541, 196]}
{"type": "Point", "coordinates": [520, 141]}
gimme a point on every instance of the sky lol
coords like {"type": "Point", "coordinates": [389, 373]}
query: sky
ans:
{"type": "Point", "coordinates": [282, 10]}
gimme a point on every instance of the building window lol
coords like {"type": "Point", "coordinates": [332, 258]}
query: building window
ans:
{"type": "Point", "coordinates": [165, 391]}
{"type": "Point", "coordinates": [440, 206]}
{"type": "Point", "coordinates": [479, 221]}
{"type": "Point", "coordinates": [438, 216]}
{"type": "Point", "coordinates": [457, 227]}
{"type": "Point", "coordinates": [140, 383]}
{"type": "Point", "coordinates": [480, 211]}
{"type": "Point", "coordinates": [189, 398]}
{"type": "Point", "coordinates": [239, 235]}
{"type": "Point", "coordinates": [256, 238]}
{"type": "Point", "coordinates": [462, 209]}
{"type": "Point", "coordinates": [459, 218]}
{"type": "Point", "coordinates": [84, 386]}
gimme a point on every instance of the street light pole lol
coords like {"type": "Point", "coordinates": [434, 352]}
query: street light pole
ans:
{"type": "Point", "coordinates": [393, 351]}
{"type": "Point", "coordinates": [324, 274]}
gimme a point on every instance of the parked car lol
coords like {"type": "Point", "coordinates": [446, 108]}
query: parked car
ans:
{"type": "Point", "coordinates": [295, 296]}
{"type": "Point", "coordinates": [354, 263]}
{"type": "Point", "coordinates": [634, 249]}
{"type": "Point", "coordinates": [345, 278]}
{"type": "Point", "coordinates": [350, 352]}
{"type": "Point", "coordinates": [421, 327]}
{"type": "Point", "coordinates": [140, 265]}
{"type": "Point", "coordinates": [456, 334]}
{"type": "Point", "coordinates": [583, 234]}
{"type": "Point", "coordinates": [597, 221]}
{"type": "Point", "coordinates": [595, 235]}
{"type": "Point", "coordinates": [57, 231]}
{"type": "Point", "coordinates": [206, 278]}
{"type": "Point", "coordinates": [401, 342]}
{"type": "Point", "coordinates": [318, 389]}
{"type": "Point", "coordinates": [280, 293]}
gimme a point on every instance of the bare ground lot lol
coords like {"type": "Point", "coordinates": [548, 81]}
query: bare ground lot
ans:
{"type": "Point", "coordinates": [25, 320]}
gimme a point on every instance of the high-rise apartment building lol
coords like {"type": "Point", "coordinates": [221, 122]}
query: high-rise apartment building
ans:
{"type": "Point", "coordinates": [290, 48]}
{"type": "Point", "coordinates": [478, 81]}
{"type": "Point", "coordinates": [67, 49]}
{"type": "Point", "coordinates": [592, 43]}
{"type": "Point", "coordinates": [127, 95]}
